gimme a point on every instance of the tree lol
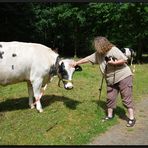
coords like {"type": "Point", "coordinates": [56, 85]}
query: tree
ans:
{"type": "Point", "coordinates": [16, 22]}
{"type": "Point", "coordinates": [71, 27]}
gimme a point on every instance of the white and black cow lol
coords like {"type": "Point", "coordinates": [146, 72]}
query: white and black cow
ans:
{"type": "Point", "coordinates": [129, 53]}
{"type": "Point", "coordinates": [36, 64]}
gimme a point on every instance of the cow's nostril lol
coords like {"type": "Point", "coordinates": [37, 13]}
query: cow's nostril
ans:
{"type": "Point", "coordinates": [68, 86]}
{"type": "Point", "coordinates": [71, 87]}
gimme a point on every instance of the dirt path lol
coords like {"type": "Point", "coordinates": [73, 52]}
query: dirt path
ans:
{"type": "Point", "coordinates": [122, 135]}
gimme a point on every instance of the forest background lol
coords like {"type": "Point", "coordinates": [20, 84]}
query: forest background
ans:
{"type": "Point", "coordinates": [71, 27]}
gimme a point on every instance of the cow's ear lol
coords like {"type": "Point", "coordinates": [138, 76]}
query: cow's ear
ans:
{"type": "Point", "coordinates": [78, 68]}
{"type": "Point", "coordinates": [61, 66]}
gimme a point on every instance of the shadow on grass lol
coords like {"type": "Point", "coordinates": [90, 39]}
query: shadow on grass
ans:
{"type": "Point", "coordinates": [120, 112]}
{"type": "Point", "coordinates": [47, 100]}
{"type": "Point", "coordinates": [68, 102]}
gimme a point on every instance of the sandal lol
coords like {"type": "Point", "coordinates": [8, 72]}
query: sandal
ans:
{"type": "Point", "coordinates": [107, 119]}
{"type": "Point", "coordinates": [131, 123]}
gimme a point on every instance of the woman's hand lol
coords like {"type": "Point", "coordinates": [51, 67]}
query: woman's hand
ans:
{"type": "Point", "coordinates": [82, 61]}
{"type": "Point", "coordinates": [73, 64]}
{"type": "Point", "coordinates": [112, 62]}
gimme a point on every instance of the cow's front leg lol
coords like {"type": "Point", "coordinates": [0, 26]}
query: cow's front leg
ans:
{"type": "Point", "coordinates": [37, 84]}
{"type": "Point", "coordinates": [31, 94]}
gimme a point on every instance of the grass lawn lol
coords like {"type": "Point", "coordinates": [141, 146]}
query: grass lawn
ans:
{"type": "Point", "coordinates": [70, 117]}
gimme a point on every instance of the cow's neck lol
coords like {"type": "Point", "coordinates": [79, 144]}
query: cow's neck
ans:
{"type": "Point", "coordinates": [54, 67]}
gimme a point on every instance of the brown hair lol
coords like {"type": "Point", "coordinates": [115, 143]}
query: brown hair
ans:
{"type": "Point", "coordinates": [102, 45]}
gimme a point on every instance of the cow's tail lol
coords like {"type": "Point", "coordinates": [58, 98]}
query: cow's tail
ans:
{"type": "Point", "coordinates": [133, 68]}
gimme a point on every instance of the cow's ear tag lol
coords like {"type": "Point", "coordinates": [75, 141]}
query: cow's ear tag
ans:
{"type": "Point", "coordinates": [78, 68]}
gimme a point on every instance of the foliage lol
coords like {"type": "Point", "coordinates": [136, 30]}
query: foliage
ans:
{"type": "Point", "coordinates": [71, 27]}
{"type": "Point", "coordinates": [17, 22]}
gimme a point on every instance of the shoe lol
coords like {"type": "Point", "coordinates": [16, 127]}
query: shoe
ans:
{"type": "Point", "coordinates": [107, 119]}
{"type": "Point", "coordinates": [131, 123]}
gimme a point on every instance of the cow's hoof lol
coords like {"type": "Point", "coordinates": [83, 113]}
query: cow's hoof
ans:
{"type": "Point", "coordinates": [40, 110]}
{"type": "Point", "coordinates": [32, 106]}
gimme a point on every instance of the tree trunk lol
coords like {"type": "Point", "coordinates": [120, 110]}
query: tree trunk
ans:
{"type": "Point", "coordinates": [75, 41]}
{"type": "Point", "coordinates": [139, 52]}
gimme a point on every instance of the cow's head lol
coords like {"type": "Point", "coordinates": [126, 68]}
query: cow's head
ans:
{"type": "Point", "coordinates": [65, 72]}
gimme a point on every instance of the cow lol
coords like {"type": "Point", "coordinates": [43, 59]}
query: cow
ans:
{"type": "Point", "coordinates": [35, 64]}
{"type": "Point", "coordinates": [130, 54]}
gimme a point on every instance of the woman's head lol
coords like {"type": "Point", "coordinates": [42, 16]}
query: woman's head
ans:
{"type": "Point", "coordinates": [102, 45]}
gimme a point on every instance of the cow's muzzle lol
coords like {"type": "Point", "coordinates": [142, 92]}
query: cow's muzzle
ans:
{"type": "Point", "coordinates": [67, 83]}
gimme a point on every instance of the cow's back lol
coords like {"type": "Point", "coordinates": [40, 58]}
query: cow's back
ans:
{"type": "Point", "coordinates": [18, 60]}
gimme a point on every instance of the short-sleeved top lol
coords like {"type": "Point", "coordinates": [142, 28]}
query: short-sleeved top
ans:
{"type": "Point", "coordinates": [113, 73]}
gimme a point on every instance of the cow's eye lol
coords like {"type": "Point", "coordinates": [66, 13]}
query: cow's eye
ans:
{"type": "Point", "coordinates": [64, 74]}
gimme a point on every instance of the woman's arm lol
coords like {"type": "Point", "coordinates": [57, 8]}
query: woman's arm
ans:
{"type": "Point", "coordinates": [117, 62]}
{"type": "Point", "coordinates": [81, 61]}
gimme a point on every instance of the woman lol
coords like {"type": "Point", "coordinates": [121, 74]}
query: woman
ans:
{"type": "Point", "coordinates": [117, 74]}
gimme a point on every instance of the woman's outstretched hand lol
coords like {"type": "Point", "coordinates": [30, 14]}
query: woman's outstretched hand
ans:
{"type": "Point", "coordinates": [73, 64]}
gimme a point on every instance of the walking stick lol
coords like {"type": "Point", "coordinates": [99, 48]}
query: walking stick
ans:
{"type": "Point", "coordinates": [100, 89]}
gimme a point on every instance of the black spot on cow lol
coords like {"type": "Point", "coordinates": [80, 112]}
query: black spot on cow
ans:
{"type": "Point", "coordinates": [1, 54]}
{"type": "Point", "coordinates": [14, 55]}
{"type": "Point", "coordinates": [123, 50]}
{"type": "Point", "coordinates": [0, 46]}
{"type": "Point", "coordinates": [12, 67]}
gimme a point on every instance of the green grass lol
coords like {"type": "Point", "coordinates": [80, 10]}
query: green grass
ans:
{"type": "Point", "coordinates": [70, 117]}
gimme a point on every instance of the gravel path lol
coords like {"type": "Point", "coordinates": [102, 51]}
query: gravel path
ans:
{"type": "Point", "coordinates": [122, 135]}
